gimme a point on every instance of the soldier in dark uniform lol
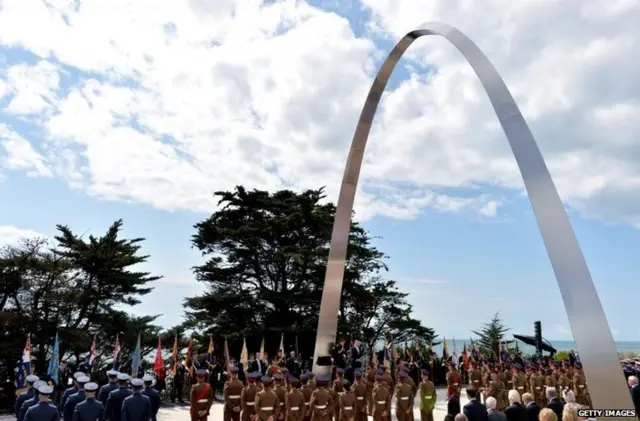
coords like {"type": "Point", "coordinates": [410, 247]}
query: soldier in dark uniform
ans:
{"type": "Point", "coordinates": [233, 396]}
{"type": "Point", "coordinates": [71, 390]}
{"type": "Point", "coordinates": [201, 398]}
{"type": "Point", "coordinates": [178, 384]}
{"type": "Point", "coordinates": [136, 407]}
{"type": "Point", "coordinates": [112, 375]}
{"type": "Point", "coordinates": [28, 394]}
{"type": "Point", "coordinates": [267, 404]}
{"type": "Point", "coordinates": [359, 389]}
{"type": "Point", "coordinates": [347, 403]}
{"type": "Point", "coordinates": [281, 392]}
{"type": "Point", "coordinates": [321, 403]}
{"type": "Point", "coordinates": [294, 402]}
{"type": "Point", "coordinates": [91, 409]}
{"type": "Point", "coordinates": [152, 394]}
{"type": "Point", "coordinates": [248, 397]}
{"type": "Point", "coordinates": [43, 411]}
{"type": "Point", "coordinates": [428, 397]}
{"type": "Point", "coordinates": [113, 409]}
{"type": "Point", "coordinates": [76, 398]}
{"type": "Point", "coordinates": [381, 399]}
{"type": "Point", "coordinates": [30, 402]}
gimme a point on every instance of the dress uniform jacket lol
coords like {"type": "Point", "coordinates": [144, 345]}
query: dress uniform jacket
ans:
{"type": "Point", "coordinates": [233, 399]}
{"type": "Point", "coordinates": [306, 392]}
{"type": "Point", "coordinates": [428, 398]}
{"type": "Point", "coordinates": [267, 404]}
{"type": "Point", "coordinates": [475, 376]}
{"type": "Point", "coordinates": [89, 410]}
{"type": "Point", "coordinates": [519, 382]}
{"type": "Point", "coordinates": [200, 396]}
{"type": "Point", "coordinates": [22, 398]}
{"type": "Point", "coordinates": [136, 407]}
{"type": "Point", "coordinates": [68, 392]}
{"type": "Point", "coordinates": [25, 406]}
{"type": "Point", "coordinates": [70, 404]}
{"type": "Point", "coordinates": [347, 407]}
{"type": "Point", "coordinates": [294, 402]}
{"type": "Point", "coordinates": [281, 392]}
{"type": "Point", "coordinates": [381, 403]}
{"type": "Point", "coordinates": [248, 401]}
{"type": "Point", "coordinates": [404, 404]}
{"type": "Point", "coordinates": [43, 411]}
{"type": "Point", "coordinates": [113, 410]}
{"type": "Point", "coordinates": [154, 398]}
{"type": "Point", "coordinates": [103, 394]}
{"type": "Point", "coordinates": [321, 405]}
{"type": "Point", "coordinates": [359, 389]}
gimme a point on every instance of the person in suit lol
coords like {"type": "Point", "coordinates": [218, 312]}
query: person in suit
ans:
{"type": "Point", "coordinates": [632, 381]}
{"type": "Point", "coordinates": [515, 411]}
{"type": "Point", "coordinates": [474, 410]}
{"type": "Point", "coordinates": [554, 403]}
{"type": "Point", "coordinates": [533, 410]}
{"type": "Point", "coordinates": [492, 413]}
{"type": "Point", "coordinates": [356, 354]}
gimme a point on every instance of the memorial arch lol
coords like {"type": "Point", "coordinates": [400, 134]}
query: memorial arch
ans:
{"type": "Point", "coordinates": [588, 322]}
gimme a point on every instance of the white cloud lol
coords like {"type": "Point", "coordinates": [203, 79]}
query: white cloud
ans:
{"type": "Point", "coordinates": [204, 95]}
{"type": "Point", "coordinates": [20, 154]}
{"type": "Point", "coordinates": [10, 235]}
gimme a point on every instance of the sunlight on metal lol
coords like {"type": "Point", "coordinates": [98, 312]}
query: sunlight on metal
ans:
{"type": "Point", "coordinates": [589, 326]}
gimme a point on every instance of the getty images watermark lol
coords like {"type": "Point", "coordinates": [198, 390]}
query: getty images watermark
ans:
{"type": "Point", "coordinates": [602, 413]}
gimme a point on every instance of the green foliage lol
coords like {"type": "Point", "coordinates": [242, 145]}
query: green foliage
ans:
{"type": "Point", "coordinates": [74, 288]}
{"type": "Point", "coordinates": [490, 336]}
{"type": "Point", "coordinates": [267, 256]}
{"type": "Point", "coordinates": [561, 356]}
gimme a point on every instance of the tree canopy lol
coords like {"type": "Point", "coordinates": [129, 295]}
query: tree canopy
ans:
{"type": "Point", "coordinates": [491, 335]}
{"type": "Point", "coordinates": [266, 260]}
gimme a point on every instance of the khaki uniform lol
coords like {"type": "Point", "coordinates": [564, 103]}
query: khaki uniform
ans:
{"type": "Point", "coordinates": [267, 404]}
{"type": "Point", "coordinates": [391, 385]}
{"type": "Point", "coordinates": [306, 392]}
{"type": "Point", "coordinates": [371, 381]}
{"type": "Point", "coordinates": [281, 392]}
{"type": "Point", "coordinates": [232, 399]}
{"type": "Point", "coordinates": [248, 401]}
{"type": "Point", "coordinates": [497, 391]}
{"type": "Point", "coordinates": [359, 390]}
{"type": "Point", "coordinates": [404, 402]}
{"type": "Point", "coordinates": [294, 402]}
{"type": "Point", "coordinates": [537, 389]}
{"type": "Point", "coordinates": [475, 378]}
{"type": "Point", "coordinates": [428, 398]}
{"type": "Point", "coordinates": [527, 387]}
{"type": "Point", "coordinates": [198, 403]}
{"type": "Point", "coordinates": [519, 383]}
{"type": "Point", "coordinates": [413, 386]}
{"type": "Point", "coordinates": [336, 392]}
{"type": "Point", "coordinates": [381, 403]}
{"type": "Point", "coordinates": [508, 380]}
{"type": "Point", "coordinates": [321, 405]}
{"type": "Point", "coordinates": [565, 382]}
{"type": "Point", "coordinates": [312, 384]}
{"type": "Point", "coordinates": [580, 387]}
{"type": "Point", "coordinates": [550, 381]}
{"type": "Point", "coordinates": [347, 407]}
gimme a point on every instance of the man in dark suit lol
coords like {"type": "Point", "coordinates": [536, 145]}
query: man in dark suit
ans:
{"type": "Point", "coordinates": [533, 410]}
{"type": "Point", "coordinates": [474, 410]}
{"type": "Point", "coordinates": [632, 381]}
{"type": "Point", "coordinates": [356, 355]}
{"type": "Point", "coordinates": [555, 403]}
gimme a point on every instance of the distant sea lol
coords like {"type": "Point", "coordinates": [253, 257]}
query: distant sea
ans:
{"type": "Point", "coordinates": [623, 346]}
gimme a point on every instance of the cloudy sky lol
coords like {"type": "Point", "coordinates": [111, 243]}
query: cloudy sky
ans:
{"type": "Point", "coordinates": [139, 109]}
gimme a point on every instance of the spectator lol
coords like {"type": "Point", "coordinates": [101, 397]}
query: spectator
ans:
{"type": "Point", "coordinates": [569, 396]}
{"type": "Point", "coordinates": [515, 411]}
{"type": "Point", "coordinates": [554, 403]}
{"type": "Point", "coordinates": [453, 408]}
{"type": "Point", "coordinates": [492, 413]}
{"type": "Point", "coordinates": [474, 410]}
{"type": "Point", "coordinates": [632, 381]}
{"type": "Point", "coordinates": [570, 413]}
{"type": "Point", "coordinates": [547, 414]}
{"type": "Point", "coordinates": [533, 410]}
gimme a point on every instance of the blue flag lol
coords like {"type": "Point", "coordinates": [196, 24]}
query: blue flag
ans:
{"type": "Point", "coordinates": [24, 367]}
{"type": "Point", "coordinates": [54, 362]}
{"type": "Point", "coordinates": [135, 364]}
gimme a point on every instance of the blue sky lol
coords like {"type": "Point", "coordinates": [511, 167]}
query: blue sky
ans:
{"type": "Point", "coordinates": [98, 124]}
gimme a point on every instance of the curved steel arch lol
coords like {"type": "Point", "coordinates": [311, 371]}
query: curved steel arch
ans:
{"type": "Point", "coordinates": [588, 322]}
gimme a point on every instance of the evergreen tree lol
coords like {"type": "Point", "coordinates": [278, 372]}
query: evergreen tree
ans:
{"type": "Point", "coordinates": [490, 336]}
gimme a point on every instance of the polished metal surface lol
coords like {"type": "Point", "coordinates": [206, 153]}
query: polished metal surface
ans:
{"type": "Point", "coordinates": [589, 326]}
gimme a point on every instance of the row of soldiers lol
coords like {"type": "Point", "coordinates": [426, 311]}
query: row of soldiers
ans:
{"type": "Point", "coordinates": [122, 399]}
{"type": "Point", "coordinates": [496, 380]}
{"type": "Point", "coordinates": [283, 397]}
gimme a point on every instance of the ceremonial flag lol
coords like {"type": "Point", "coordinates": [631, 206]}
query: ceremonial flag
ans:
{"type": "Point", "coordinates": [455, 352]}
{"type": "Point", "coordinates": [261, 356]}
{"type": "Point", "coordinates": [445, 350]}
{"type": "Point", "coordinates": [282, 345]}
{"type": "Point", "coordinates": [374, 357]}
{"type": "Point", "coordinates": [504, 353]}
{"type": "Point", "coordinates": [135, 363]}
{"type": "Point", "coordinates": [54, 362]}
{"type": "Point", "coordinates": [187, 359]}
{"type": "Point", "coordinates": [387, 355]}
{"type": "Point", "coordinates": [244, 356]}
{"type": "Point", "coordinates": [227, 356]}
{"type": "Point", "coordinates": [174, 356]}
{"type": "Point", "coordinates": [430, 351]}
{"type": "Point", "coordinates": [24, 367]}
{"type": "Point", "coordinates": [474, 352]}
{"type": "Point", "coordinates": [465, 357]}
{"type": "Point", "coordinates": [210, 350]}
{"type": "Point", "coordinates": [92, 352]}
{"type": "Point", "coordinates": [158, 363]}
{"type": "Point", "coordinates": [116, 353]}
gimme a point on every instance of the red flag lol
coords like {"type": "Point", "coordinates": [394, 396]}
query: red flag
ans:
{"type": "Point", "coordinates": [187, 360]}
{"type": "Point", "coordinates": [465, 357]}
{"type": "Point", "coordinates": [158, 364]}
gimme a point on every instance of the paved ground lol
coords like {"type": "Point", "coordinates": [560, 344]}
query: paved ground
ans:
{"type": "Point", "coordinates": [179, 413]}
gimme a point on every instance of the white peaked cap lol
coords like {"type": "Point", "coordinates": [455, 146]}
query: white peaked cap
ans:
{"type": "Point", "coordinates": [123, 376]}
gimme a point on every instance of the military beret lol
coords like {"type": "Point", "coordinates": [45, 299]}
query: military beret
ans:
{"type": "Point", "coordinates": [83, 379]}
{"type": "Point", "coordinates": [45, 390]}
{"type": "Point", "coordinates": [357, 373]}
{"type": "Point", "coordinates": [202, 373]}
{"type": "Point", "coordinates": [266, 380]}
{"type": "Point", "coordinates": [402, 375]}
{"type": "Point", "coordinates": [406, 369]}
{"type": "Point", "coordinates": [234, 369]}
{"type": "Point", "coordinates": [379, 376]}
{"type": "Point", "coordinates": [137, 382]}
{"type": "Point", "coordinates": [32, 378]}
{"type": "Point", "coordinates": [78, 374]}
{"type": "Point", "coordinates": [112, 373]}
{"type": "Point", "coordinates": [304, 377]}
{"type": "Point", "coordinates": [311, 374]}
{"type": "Point", "coordinates": [91, 387]}
{"type": "Point", "coordinates": [517, 367]}
{"type": "Point", "coordinates": [254, 375]}
{"type": "Point", "coordinates": [293, 380]}
{"type": "Point", "coordinates": [323, 380]}
{"type": "Point", "coordinates": [339, 371]}
{"type": "Point", "coordinates": [380, 373]}
{"type": "Point", "coordinates": [278, 377]}
{"type": "Point", "coordinates": [147, 378]}
{"type": "Point", "coordinates": [123, 377]}
{"type": "Point", "coordinates": [425, 372]}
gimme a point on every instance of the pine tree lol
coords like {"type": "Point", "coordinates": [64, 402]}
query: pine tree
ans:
{"type": "Point", "coordinates": [490, 336]}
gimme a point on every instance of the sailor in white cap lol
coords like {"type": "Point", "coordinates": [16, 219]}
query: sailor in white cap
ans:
{"type": "Point", "coordinates": [73, 389]}
{"type": "Point", "coordinates": [109, 387]}
{"type": "Point", "coordinates": [136, 407]}
{"type": "Point", "coordinates": [30, 402]}
{"type": "Point", "coordinates": [91, 409]}
{"type": "Point", "coordinates": [113, 409]}
{"type": "Point", "coordinates": [44, 410]}
{"type": "Point", "coordinates": [152, 394]}
{"type": "Point", "coordinates": [28, 394]}
{"type": "Point", "coordinates": [75, 399]}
